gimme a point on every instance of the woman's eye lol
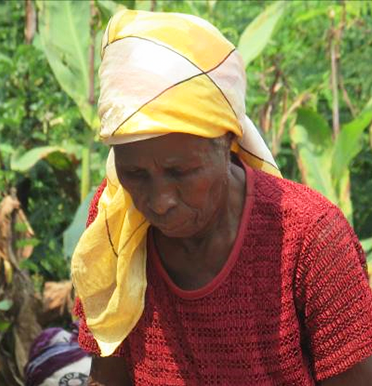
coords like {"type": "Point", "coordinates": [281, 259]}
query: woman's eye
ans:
{"type": "Point", "coordinates": [135, 174]}
{"type": "Point", "coordinates": [177, 172]}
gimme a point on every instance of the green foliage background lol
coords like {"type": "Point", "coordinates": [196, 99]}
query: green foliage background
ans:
{"type": "Point", "coordinates": [294, 69]}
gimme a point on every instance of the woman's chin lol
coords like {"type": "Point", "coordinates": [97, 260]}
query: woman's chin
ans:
{"type": "Point", "coordinates": [176, 231]}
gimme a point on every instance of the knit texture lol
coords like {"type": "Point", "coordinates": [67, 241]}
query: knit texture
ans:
{"type": "Point", "coordinates": [291, 306]}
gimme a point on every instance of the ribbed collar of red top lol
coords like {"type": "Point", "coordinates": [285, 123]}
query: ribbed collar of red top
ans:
{"type": "Point", "coordinates": [231, 260]}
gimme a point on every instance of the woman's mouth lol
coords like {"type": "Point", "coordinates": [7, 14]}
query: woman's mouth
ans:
{"type": "Point", "coordinates": [169, 228]}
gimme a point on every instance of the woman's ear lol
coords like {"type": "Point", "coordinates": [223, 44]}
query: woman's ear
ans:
{"type": "Point", "coordinates": [229, 138]}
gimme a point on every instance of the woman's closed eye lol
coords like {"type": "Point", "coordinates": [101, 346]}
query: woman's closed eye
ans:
{"type": "Point", "coordinates": [181, 172]}
{"type": "Point", "coordinates": [135, 173]}
{"type": "Point", "coordinates": [173, 172]}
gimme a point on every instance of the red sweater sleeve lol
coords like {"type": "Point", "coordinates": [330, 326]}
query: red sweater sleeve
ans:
{"type": "Point", "coordinates": [334, 295]}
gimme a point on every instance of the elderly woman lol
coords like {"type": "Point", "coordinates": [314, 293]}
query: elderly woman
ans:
{"type": "Point", "coordinates": [201, 265]}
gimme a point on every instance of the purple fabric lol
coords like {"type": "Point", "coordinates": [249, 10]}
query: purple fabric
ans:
{"type": "Point", "coordinates": [51, 365]}
{"type": "Point", "coordinates": [42, 341]}
{"type": "Point", "coordinates": [46, 358]}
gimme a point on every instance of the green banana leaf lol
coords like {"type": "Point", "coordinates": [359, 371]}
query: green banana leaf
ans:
{"type": "Point", "coordinates": [348, 143]}
{"type": "Point", "coordinates": [54, 155]}
{"type": "Point", "coordinates": [324, 163]}
{"type": "Point", "coordinates": [109, 7]}
{"type": "Point", "coordinates": [367, 246]}
{"type": "Point", "coordinates": [143, 5]}
{"type": "Point", "coordinates": [73, 233]}
{"type": "Point", "coordinates": [258, 33]}
{"type": "Point", "coordinates": [312, 140]}
{"type": "Point", "coordinates": [64, 36]}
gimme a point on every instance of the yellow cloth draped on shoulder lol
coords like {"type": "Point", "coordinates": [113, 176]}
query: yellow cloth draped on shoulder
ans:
{"type": "Point", "coordinates": [160, 73]}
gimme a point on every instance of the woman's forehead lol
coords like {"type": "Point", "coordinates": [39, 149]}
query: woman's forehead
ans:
{"type": "Point", "coordinates": [170, 148]}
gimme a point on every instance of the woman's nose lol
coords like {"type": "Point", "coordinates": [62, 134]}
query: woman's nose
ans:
{"type": "Point", "coordinates": [162, 197]}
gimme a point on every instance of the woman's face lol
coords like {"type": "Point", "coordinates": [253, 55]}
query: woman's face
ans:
{"type": "Point", "coordinates": [178, 181]}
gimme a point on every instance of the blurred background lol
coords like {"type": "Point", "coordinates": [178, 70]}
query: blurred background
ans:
{"type": "Point", "coordinates": [309, 90]}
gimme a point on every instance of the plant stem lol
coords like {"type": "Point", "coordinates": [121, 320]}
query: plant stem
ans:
{"type": "Point", "coordinates": [334, 83]}
{"type": "Point", "coordinates": [335, 40]}
{"type": "Point", "coordinates": [30, 24]}
{"type": "Point", "coordinates": [286, 114]}
{"type": "Point", "coordinates": [346, 97]}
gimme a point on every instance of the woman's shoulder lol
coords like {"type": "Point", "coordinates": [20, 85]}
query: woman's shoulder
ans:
{"type": "Point", "coordinates": [289, 198]}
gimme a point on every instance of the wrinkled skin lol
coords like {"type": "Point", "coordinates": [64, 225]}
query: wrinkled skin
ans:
{"type": "Point", "coordinates": [177, 181]}
{"type": "Point", "coordinates": [192, 194]}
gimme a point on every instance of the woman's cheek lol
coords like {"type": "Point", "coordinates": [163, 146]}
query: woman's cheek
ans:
{"type": "Point", "coordinates": [196, 192]}
{"type": "Point", "coordinates": [137, 192]}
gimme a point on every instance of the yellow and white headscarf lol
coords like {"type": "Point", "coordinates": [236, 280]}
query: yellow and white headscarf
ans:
{"type": "Point", "coordinates": [161, 73]}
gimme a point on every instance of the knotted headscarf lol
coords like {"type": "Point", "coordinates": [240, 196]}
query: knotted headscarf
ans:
{"type": "Point", "coordinates": [160, 73]}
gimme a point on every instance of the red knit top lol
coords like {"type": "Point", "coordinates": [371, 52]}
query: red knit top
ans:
{"type": "Point", "coordinates": [291, 306]}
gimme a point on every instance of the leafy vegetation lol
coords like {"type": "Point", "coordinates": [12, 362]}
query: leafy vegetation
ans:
{"type": "Point", "coordinates": [309, 91]}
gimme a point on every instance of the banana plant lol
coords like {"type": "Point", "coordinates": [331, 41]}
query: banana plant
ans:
{"type": "Point", "coordinates": [72, 234]}
{"type": "Point", "coordinates": [70, 39]}
{"type": "Point", "coordinates": [64, 37]}
{"type": "Point", "coordinates": [258, 33]}
{"type": "Point", "coordinates": [324, 161]}
{"type": "Point", "coordinates": [56, 156]}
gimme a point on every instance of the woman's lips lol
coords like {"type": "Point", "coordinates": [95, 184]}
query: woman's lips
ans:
{"type": "Point", "coordinates": [168, 227]}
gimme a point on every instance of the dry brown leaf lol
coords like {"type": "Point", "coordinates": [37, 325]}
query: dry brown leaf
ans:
{"type": "Point", "coordinates": [57, 301]}
{"type": "Point", "coordinates": [10, 215]}
{"type": "Point", "coordinates": [24, 252]}
{"type": "Point", "coordinates": [7, 206]}
{"type": "Point", "coordinates": [16, 286]}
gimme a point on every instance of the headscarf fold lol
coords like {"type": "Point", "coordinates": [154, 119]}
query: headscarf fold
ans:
{"type": "Point", "coordinates": [160, 73]}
